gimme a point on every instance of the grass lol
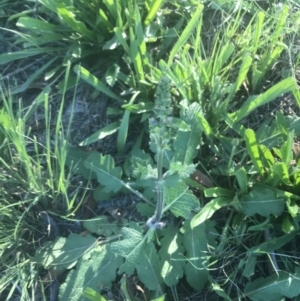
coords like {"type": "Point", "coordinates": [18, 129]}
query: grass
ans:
{"type": "Point", "coordinates": [80, 78]}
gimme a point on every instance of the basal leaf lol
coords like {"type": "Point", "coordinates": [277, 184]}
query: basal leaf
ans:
{"type": "Point", "coordinates": [263, 201]}
{"type": "Point", "coordinates": [64, 252]}
{"type": "Point", "coordinates": [130, 247]}
{"type": "Point", "coordinates": [148, 268]}
{"type": "Point", "coordinates": [195, 243]}
{"type": "Point", "coordinates": [94, 270]}
{"type": "Point", "coordinates": [275, 287]}
{"type": "Point", "coordinates": [180, 200]}
{"type": "Point", "coordinates": [172, 265]}
{"type": "Point", "coordinates": [139, 255]}
{"type": "Point", "coordinates": [107, 173]}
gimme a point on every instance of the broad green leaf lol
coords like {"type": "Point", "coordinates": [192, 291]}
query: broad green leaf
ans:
{"type": "Point", "coordinates": [252, 103]}
{"type": "Point", "coordinates": [253, 150]}
{"type": "Point", "coordinates": [102, 133]}
{"type": "Point", "coordinates": [104, 226]}
{"type": "Point", "coordinates": [97, 268]}
{"type": "Point", "coordinates": [209, 209]}
{"type": "Point", "coordinates": [186, 33]}
{"type": "Point", "coordinates": [107, 173]}
{"type": "Point", "coordinates": [130, 247]}
{"type": "Point", "coordinates": [180, 200]}
{"type": "Point", "coordinates": [172, 265]}
{"type": "Point", "coordinates": [75, 162]}
{"type": "Point", "coordinates": [275, 287]}
{"type": "Point", "coordinates": [195, 243]}
{"type": "Point", "coordinates": [64, 252]}
{"type": "Point", "coordinates": [139, 255]}
{"type": "Point", "coordinates": [95, 82]}
{"type": "Point", "coordinates": [262, 201]}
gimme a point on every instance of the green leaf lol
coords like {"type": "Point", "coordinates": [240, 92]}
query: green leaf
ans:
{"type": "Point", "coordinates": [180, 200]}
{"type": "Point", "coordinates": [12, 56]}
{"type": "Point", "coordinates": [172, 265]}
{"type": "Point", "coordinates": [209, 209]}
{"type": "Point", "coordinates": [95, 82]}
{"type": "Point", "coordinates": [96, 269]}
{"type": "Point", "coordinates": [32, 78]}
{"type": "Point", "coordinates": [75, 161]}
{"type": "Point", "coordinates": [195, 243]}
{"type": "Point", "coordinates": [263, 201]}
{"type": "Point", "coordinates": [130, 247]}
{"type": "Point", "coordinates": [281, 170]}
{"type": "Point", "coordinates": [253, 150]}
{"type": "Point", "coordinates": [102, 133]}
{"type": "Point", "coordinates": [102, 225]}
{"type": "Point", "coordinates": [215, 192]}
{"type": "Point", "coordinates": [155, 5]}
{"type": "Point", "coordinates": [64, 252]}
{"type": "Point", "coordinates": [274, 287]}
{"type": "Point", "coordinates": [252, 103]}
{"type": "Point", "coordinates": [35, 24]}
{"type": "Point", "coordinates": [220, 292]}
{"type": "Point", "coordinates": [69, 18]}
{"type": "Point", "coordinates": [186, 33]}
{"type": "Point", "coordinates": [242, 179]}
{"type": "Point", "coordinates": [186, 143]}
{"type": "Point", "coordinates": [139, 255]}
{"type": "Point", "coordinates": [92, 295]}
{"type": "Point", "coordinates": [107, 173]}
{"type": "Point", "coordinates": [250, 265]}
{"type": "Point", "coordinates": [111, 74]}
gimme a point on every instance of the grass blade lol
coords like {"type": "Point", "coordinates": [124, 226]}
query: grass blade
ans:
{"type": "Point", "coordinates": [186, 33]}
{"type": "Point", "coordinates": [252, 103]}
{"type": "Point", "coordinates": [95, 82]}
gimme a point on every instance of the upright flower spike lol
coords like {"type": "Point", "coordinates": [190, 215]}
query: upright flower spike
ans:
{"type": "Point", "coordinates": [160, 137]}
{"type": "Point", "coordinates": [161, 124]}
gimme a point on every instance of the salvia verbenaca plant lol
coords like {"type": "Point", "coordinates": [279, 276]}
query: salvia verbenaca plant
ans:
{"type": "Point", "coordinates": [166, 203]}
{"type": "Point", "coordinates": [160, 138]}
